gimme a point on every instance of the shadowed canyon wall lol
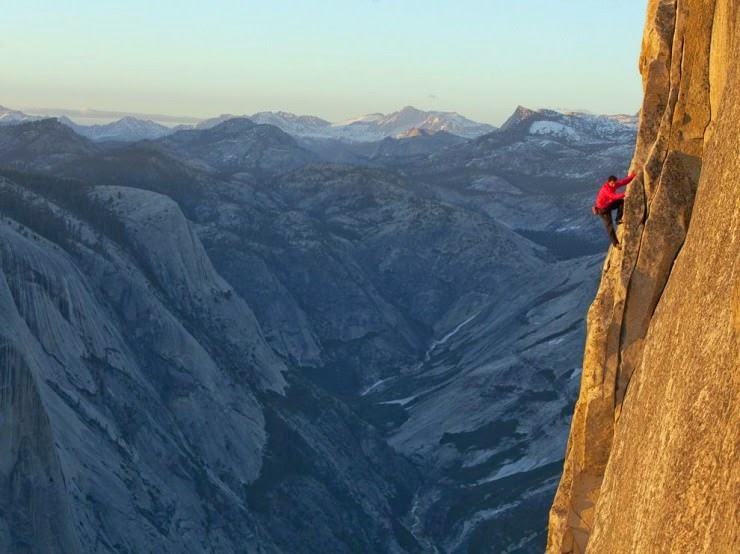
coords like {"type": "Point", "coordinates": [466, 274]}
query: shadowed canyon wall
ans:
{"type": "Point", "coordinates": [651, 464]}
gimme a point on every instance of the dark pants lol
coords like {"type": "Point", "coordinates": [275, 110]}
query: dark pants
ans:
{"type": "Point", "coordinates": [606, 217]}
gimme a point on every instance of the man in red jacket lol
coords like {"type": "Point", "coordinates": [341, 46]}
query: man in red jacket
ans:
{"type": "Point", "coordinates": [609, 199]}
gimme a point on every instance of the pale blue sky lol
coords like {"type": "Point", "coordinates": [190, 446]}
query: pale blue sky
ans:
{"type": "Point", "coordinates": [331, 58]}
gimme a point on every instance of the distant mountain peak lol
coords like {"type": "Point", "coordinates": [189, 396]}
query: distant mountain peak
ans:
{"type": "Point", "coordinates": [132, 119]}
{"type": "Point", "coordinates": [569, 127]}
{"type": "Point", "coordinates": [9, 116]}
{"type": "Point", "coordinates": [48, 128]}
{"type": "Point", "coordinates": [520, 114]}
{"type": "Point", "coordinates": [376, 126]}
{"type": "Point", "coordinates": [291, 123]}
{"type": "Point", "coordinates": [41, 144]}
{"type": "Point", "coordinates": [235, 124]}
{"type": "Point", "coordinates": [47, 124]}
{"type": "Point", "coordinates": [126, 129]}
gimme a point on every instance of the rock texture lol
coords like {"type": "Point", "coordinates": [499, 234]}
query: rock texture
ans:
{"type": "Point", "coordinates": [652, 457]}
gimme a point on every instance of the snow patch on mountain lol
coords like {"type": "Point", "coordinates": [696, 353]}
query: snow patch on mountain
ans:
{"type": "Point", "coordinates": [448, 336]}
{"type": "Point", "coordinates": [552, 128]}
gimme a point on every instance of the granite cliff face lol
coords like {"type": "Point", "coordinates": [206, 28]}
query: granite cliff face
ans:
{"type": "Point", "coordinates": [652, 458]}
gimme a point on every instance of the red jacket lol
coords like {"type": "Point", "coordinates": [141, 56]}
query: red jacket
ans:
{"type": "Point", "coordinates": [608, 192]}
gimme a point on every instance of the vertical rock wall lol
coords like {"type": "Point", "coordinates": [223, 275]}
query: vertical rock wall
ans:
{"type": "Point", "coordinates": [651, 461]}
{"type": "Point", "coordinates": [35, 515]}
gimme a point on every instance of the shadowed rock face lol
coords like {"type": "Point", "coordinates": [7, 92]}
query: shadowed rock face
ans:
{"type": "Point", "coordinates": [652, 455]}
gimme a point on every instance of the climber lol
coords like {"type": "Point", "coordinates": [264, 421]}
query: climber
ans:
{"type": "Point", "coordinates": [609, 199]}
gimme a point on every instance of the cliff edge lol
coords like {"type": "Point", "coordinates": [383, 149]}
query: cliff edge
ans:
{"type": "Point", "coordinates": [652, 459]}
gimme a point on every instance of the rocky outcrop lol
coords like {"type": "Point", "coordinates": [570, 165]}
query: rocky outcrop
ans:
{"type": "Point", "coordinates": [651, 461]}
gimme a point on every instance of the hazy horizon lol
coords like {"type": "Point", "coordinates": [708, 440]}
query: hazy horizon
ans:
{"type": "Point", "coordinates": [92, 116]}
{"type": "Point", "coordinates": [190, 60]}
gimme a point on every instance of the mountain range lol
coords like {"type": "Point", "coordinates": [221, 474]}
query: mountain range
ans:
{"type": "Point", "coordinates": [229, 337]}
{"type": "Point", "coordinates": [406, 123]}
{"type": "Point", "coordinates": [378, 126]}
{"type": "Point", "coordinates": [367, 128]}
